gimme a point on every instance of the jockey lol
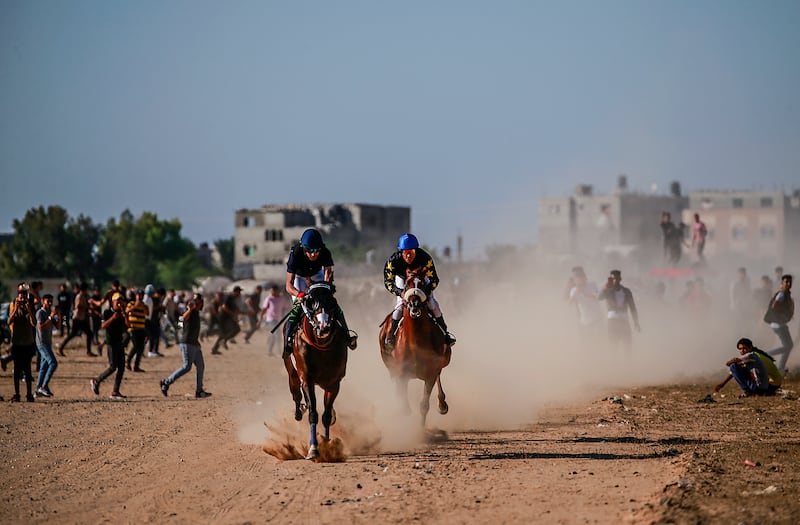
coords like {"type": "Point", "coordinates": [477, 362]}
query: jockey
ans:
{"type": "Point", "coordinates": [409, 256]}
{"type": "Point", "coordinates": [309, 261]}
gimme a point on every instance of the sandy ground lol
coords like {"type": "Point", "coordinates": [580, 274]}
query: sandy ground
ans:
{"type": "Point", "coordinates": [635, 455]}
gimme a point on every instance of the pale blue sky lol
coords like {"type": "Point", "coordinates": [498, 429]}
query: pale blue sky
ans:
{"type": "Point", "coordinates": [467, 111]}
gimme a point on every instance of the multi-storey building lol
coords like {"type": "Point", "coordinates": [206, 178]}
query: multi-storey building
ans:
{"type": "Point", "coordinates": [263, 236]}
{"type": "Point", "coordinates": [754, 225]}
{"type": "Point", "coordinates": [761, 226]}
{"type": "Point", "coordinates": [585, 223]}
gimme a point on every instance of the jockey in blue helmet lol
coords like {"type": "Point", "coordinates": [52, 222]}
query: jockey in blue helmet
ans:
{"type": "Point", "coordinates": [310, 261]}
{"type": "Point", "coordinates": [409, 256]}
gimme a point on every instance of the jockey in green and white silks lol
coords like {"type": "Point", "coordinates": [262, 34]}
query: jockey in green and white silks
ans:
{"type": "Point", "coordinates": [310, 261]}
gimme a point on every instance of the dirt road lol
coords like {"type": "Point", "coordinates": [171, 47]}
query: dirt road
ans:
{"type": "Point", "coordinates": [639, 455]}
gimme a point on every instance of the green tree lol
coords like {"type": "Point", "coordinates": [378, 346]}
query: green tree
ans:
{"type": "Point", "coordinates": [181, 274]}
{"type": "Point", "coordinates": [143, 250]}
{"type": "Point", "coordinates": [225, 250]}
{"type": "Point", "coordinates": [48, 243]}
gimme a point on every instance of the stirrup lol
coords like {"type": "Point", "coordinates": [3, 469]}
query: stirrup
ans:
{"type": "Point", "coordinates": [388, 344]}
{"type": "Point", "coordinates": [352, 340]}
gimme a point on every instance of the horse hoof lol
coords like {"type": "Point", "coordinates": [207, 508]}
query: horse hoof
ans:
{"type": "Point", "coordinates": [443, 408]}
{"type": "Point", "coordinates": [313, 453]}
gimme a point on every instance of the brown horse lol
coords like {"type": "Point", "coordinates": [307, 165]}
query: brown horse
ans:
{"type": "Point", "coordinates": [420, 351]}
{"type": "Point", "coordinates": [320, 359]}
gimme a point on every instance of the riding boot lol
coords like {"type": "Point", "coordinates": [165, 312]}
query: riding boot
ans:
{"type": "Point", "coordinates": [291, 328]}
{"type": "Point", "coordinates": [352, 340]}
{"type": "Point", "coordinates": [390, 337]}
{"type": "Point", "coordinates": [448, 338]}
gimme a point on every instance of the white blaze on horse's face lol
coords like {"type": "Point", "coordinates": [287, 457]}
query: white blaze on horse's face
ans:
{"type": "Point", "coordinates": [323, 321]}
{"type": "Point", "coordinates": [415, 301]}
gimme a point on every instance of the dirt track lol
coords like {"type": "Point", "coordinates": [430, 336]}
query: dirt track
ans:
{"type": "Point", "coordinates": [639, 455]}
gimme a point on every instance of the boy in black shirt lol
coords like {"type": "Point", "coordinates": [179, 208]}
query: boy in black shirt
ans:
{"type": "Point", "coordinates": [115, 323]}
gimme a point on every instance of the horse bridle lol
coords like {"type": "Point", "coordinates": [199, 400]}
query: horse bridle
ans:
{"type": "Point", "coordinates": [316, 320]}
{"type": "Point", "coordinates": [414, 298]}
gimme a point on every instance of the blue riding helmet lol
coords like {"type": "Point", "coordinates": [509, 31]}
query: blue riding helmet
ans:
{"type": "Point", "coordinates": [407, 242]}
{"type": "Point", "coordinates": [312, 239]}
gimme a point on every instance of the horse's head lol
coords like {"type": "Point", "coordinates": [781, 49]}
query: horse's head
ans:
{"type": "Point", "coordinates": [319, 306]}
{"type": "Point", "coordinates": [414, 294]}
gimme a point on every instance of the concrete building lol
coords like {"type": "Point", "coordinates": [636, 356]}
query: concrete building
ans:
{"type": "Point", "coordinates": [263, 236]}
{"type": "Point", "coordinates": [586, 224]}
{"type": "Point", "coordinates": [754, 225]}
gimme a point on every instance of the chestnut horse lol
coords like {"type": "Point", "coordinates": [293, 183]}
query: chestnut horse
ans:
{"type": "Point", "coordinates": [320, 359]}
{"type": "Point", "coordinates": [420, 351]}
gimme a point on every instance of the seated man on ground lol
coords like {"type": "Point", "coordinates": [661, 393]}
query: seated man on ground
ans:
{"type": "Point", "coordinates": [754, 371]}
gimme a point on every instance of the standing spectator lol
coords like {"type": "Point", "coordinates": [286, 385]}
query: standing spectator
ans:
{"type": "Point", "coordinates": [115, 288]}
{"type": "Point", "coordinates": [763, 294]}
{"type": "Point", "coordinates": [115, 324]}
{"type": "Point", "coordinates": [228, 319]}
{"type": "Point", "coordinates": [44, 344]}
{"type": "Point", "coordinates": [619, 300]}
{"type": "Point", "coordinates": [137, 314]}
{"type": "Point", "coordinates": [213, 313]}
{"type": "Point", "coordinates": [583, 295]}
{"type": "Point", "coordinates": [251, 303]}
{"type": "Point", "coordinates": [64, 306]}
{"type": "Point", "coordinates": [35, 300]}
{"type": "Point", "coordinates": [96, 301]}
{"type": "Point", "coordinates": [741, 297]}
{"type": "Point", "coordinates": [23, 340]}
{"type": "Point", "coordinates": [779, 312]}
{"type": "Point", "coordinates": [153, 302]}
{"type": "Point", "coordinates": [275, 306]}
{"type": "Point", "coordinates": [699, 233]}
{"type": "Point", "coordinates": [36, 295]}
{"type": "Point", "coordinates": [80, 321]}
{"type": "Point", "coordinates": [169, 306]}
{"type": "Point", "coordinates": [673, 237]}
{"type": "Point", "coordinates": [189, 338]}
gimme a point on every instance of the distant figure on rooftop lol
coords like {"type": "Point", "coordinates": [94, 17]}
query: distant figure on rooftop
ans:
{"type": "Point", "coordinates": [699, 233]}
{"type": "Point", "coordinates": [673, 237]}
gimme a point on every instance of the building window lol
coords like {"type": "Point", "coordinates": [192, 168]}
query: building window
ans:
{"type": "Point", "coordinates": [767, 231]}
{"type": "Point", "coordinates": [766, 202]}
{"type": "Point", "coordinates": [248, 250]}
{"type": "Point", "coordinates": [249, 221]}
{"type": "Point", "coordinates": [273, 235]}
{"type": "Point", "coordinates": [738, 233]}
{"type": "Point", "coordinates": [738, 203]}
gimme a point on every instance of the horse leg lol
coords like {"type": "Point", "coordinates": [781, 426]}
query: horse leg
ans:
{"type": "Point", "coordinates": [401, 384]}
{"type": "Point", "coordinates": [313, 417]}
{"type": "Point", "coordinates": [294, 388]}
{"type": "Point", "coordinates": [328, 414]}
{"type": "Point", "coordinates": [425, 404]}
{"type": "Point", "coordinates": [443, 408]}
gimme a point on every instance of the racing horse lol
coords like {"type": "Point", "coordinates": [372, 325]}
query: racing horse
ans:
{"type": "Point", "coordinates": [320, 359]}
{"type": "Point", "coordinates": [420, 351]}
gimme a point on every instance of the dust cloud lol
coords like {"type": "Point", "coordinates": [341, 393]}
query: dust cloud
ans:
{"type": "Point", "coordinates": [519, 350]}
